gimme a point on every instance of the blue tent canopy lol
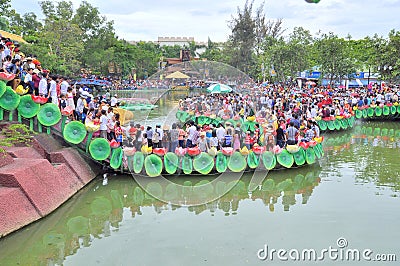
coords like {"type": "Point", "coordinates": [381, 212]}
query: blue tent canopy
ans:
{"type": "Point", "coordinates": [95, 82]}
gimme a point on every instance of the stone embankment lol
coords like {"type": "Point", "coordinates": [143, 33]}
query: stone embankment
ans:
{"type": "Point", "coordinates": [36, 180]}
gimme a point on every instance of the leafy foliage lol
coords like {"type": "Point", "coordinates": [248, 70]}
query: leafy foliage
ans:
{"type": "Point", "coordinates": [14, 134]}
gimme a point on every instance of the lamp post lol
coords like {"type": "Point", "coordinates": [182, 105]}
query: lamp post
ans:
{"type": "Point", "coordinates": [385, 70]}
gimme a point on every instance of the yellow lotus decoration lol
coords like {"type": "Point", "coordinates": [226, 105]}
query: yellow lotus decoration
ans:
{"type": "Point", "coordinates": [90, 127]}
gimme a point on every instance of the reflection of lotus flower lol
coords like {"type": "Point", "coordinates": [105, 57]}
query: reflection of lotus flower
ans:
{"type": "Point", "coordinates": [114, 144]}
{"type": "Point", "coordinates": [67, 111]}
{"type": "Point", "coordinates": [78, 225]}
{"type": "Point", "coordinates": [129, 151]}
{"type": "Point", "coordinates": [277, 149]}
{"type": "Point", "coordinates": [180, 151]}
{"type": "Point", "coordinates": [159, 151]}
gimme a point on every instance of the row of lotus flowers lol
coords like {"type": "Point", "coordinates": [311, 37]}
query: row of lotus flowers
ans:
{"type": "Point", "coordinates": [228, 151]}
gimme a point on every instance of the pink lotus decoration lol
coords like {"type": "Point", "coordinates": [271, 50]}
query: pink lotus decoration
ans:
{"type": "Point", "coordinates": [193, 151]}
{"type": "Point", "coordinates": [381, 105]}
{"type": "Point", "coordinates": [304, 145]}
{"type": "Point", "coordinates": [67, 111]}
{"type": "Point", "coordinates": [276, 149]}
{"type": "Point", "coordinates": [312, 143]}
{"type": "Point", "coordinates": [129, 151]}
{"type": "Point", "coordinates": [39, 99]}
{"type": "Point", "coordinates": [180, 151]}
{"type": "Point", "coordinates": [114, 144]}
{"type": "Point", "coordinates": [160, 151]}
{"type": "Point", "coordinates": [225, 117]}
{"type": "Point", "coordinates": [236, 117]}
{"type": "Point", "coordinates": [228, 151]}
{"type": "Point", "coordinates": [259, 149]}
{"type": "Point", "coordinates": [6, 76]}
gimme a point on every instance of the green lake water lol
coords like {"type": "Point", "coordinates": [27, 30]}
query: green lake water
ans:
{"type": "Point", "coordinates": [352, 193]}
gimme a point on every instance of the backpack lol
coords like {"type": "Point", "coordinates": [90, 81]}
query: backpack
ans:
{"type": "Point", "coordinates": [156, 137]}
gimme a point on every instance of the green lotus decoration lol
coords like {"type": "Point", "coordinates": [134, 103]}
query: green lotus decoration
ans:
{"type": "Point", "coordinates": [49, 114]}
{"type": "Point", "coordinates": [74, 132]}
{"type": "Point", "coordinates": [27, 107]}
{"type": "Point", "coordinates": [2, 88]}
{"type": "Point", "coordinates": [99, 149]}
{"type": "Point", "coordinates": [8, 101]}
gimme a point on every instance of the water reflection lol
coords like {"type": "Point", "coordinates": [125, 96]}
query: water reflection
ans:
{"type": "Point", "coordinates": [370, 151]}
{"type": "Point", "coordinates": [99, 210]}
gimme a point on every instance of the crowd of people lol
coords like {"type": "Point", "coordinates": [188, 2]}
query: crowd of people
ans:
{"type": "Point", "coordinates": [285, 114]}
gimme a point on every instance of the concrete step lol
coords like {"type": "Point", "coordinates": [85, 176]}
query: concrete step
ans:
{"type": "Point", "coordinates": [73, 159]}
{"type": "Point", "coordinates": [5, 159]}
{"type": "Point", "coordinates": [17, 212]}
{"type": "Point", "coordinates": [45, 144]}
{"type": "Point", "coordinates": [46, 186]}
{"type": "Point", "coordinates": [23, 152]}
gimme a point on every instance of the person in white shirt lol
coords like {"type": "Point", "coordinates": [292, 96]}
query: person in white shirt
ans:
{"type": "Point", "coordinates": [103, 124]}
{"type": "Point", "coordinates": [64, 86]}
{"type": "Point", "coordinates": [313, 112]}
{"type": "Point", "coordinates": [80, 105]}
{"type": "Point", "coordinates": [43, 86]}
{"type": "Point", "coordinates": [114, 100]}
{"type": "Point", "coordinates": [220, 133]}
{"type": "Point", "coordinates": [191, 131]}
{"type": "Point", "coordinates": [53, 90]}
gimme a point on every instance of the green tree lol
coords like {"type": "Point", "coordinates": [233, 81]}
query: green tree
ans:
{"type": "Point", "coordinates": [333, 57]}
{"type": "Point", "coordinates": [59, 44]}
{"type": "Point", "coordinates": [242, 38]}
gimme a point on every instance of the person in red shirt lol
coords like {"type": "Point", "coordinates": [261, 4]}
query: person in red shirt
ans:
{"type": "Point", "coordinates": [36, 79]}
{"type": "Point", "coordinates": [118, 132]}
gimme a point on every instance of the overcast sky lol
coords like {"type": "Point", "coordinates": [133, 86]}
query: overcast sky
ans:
{"type": "Point", "coordinates": [147, 19]}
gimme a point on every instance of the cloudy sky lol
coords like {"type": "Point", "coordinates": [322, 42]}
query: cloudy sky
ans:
{"type": "Point", "coordinates": [147, 19]}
